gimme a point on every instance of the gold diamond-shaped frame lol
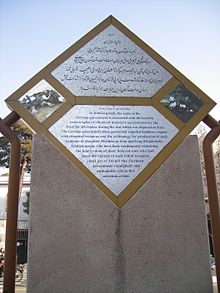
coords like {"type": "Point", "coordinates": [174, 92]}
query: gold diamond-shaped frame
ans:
{"type": "Point", "coordinates": [71, 100]}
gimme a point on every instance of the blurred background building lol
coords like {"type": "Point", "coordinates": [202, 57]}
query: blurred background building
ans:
{"type": "Point", "coordinates": [22, 230]}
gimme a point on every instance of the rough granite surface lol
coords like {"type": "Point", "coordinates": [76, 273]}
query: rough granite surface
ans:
{"type": "Point", "coordinates": [79, 242]}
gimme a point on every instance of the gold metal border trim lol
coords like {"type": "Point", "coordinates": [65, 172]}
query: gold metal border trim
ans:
{"type": "Point", "coordinates": [113, 101]}
{"type": "Point", "coordinates": [57, 114]}
{"type": "Point", "coordinates": [168, 114]}
{"type": "Point", "coordinates": [166, 89]}
{"type": "Point", "coordinates": [61, 89]}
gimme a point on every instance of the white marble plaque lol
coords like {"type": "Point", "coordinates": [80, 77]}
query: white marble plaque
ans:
{"type": "Point", "coordinates": [111, 65]}
{"type": "Point", "coordinates": [114, 142]}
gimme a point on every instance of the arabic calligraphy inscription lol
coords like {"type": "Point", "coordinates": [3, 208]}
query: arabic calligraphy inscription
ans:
{"type": "Point", "coordinates": [111, 65]}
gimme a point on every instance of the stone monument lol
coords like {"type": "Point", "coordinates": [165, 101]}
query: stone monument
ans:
{"type": "Point", "coordinates": [116, 206]}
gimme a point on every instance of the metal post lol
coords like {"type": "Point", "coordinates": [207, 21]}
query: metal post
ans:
{"type": "Point", "coordinates": [212, 188]}
{"type": "Point", "coordinates": [12, 202]}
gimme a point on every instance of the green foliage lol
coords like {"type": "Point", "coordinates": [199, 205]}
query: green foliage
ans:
{"type": "Point", "coordinates": [25, 136]}
{"type": "Point", "coordinates": [4, 152]}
